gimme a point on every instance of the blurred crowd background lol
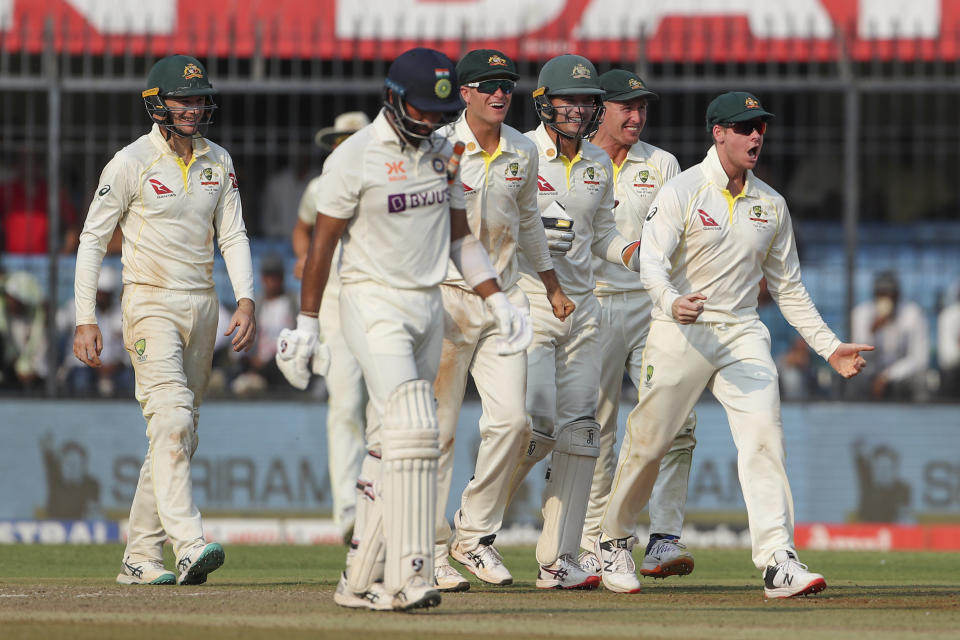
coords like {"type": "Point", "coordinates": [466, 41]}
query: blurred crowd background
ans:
{"type": "Point", "coordinates": [865, 147]}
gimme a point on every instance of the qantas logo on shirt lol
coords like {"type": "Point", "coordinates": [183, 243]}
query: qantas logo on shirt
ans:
{"type": "Point", "coordinates": [468, 190]}
{"type": "Point", "coordinates": [707, 221]}
{"type": "Point", "coordinates": [160, 188]}
{"type": "Point", "coordinates": [543, 185]}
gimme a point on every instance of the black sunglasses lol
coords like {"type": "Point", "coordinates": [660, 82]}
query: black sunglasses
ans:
{"type": "Point", "coordinates": [746, 127]}
{"type": "Point", "coordinates": [491, 86]}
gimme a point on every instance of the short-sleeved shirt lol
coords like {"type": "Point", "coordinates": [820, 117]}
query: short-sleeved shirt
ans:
{"type": "Point", "coordinates": [500, 193]}
{"type": "Point", "coordinates": [397, 202]}
{"type": "Point", "coordinates": [637, 180]}
{"type": "Point", "coordinates": [584, 186]}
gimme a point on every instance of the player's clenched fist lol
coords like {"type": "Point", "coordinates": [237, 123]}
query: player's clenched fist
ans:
{"type": "Point", "coordinates": [296, 348]}
{"type": "Point", "coordinates": [513, 324]}
{"type": "Point", "coordinates": [686, 309]}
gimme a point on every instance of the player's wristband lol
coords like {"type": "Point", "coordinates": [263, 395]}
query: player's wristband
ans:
{"type": "Point", "coordinates": [471, 260]}
{"type": "Point", "coordinates": [308, 324]}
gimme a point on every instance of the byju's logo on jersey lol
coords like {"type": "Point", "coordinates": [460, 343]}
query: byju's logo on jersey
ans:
{"type": "Point", "coordinates": [160, 189]}
{"type": "Point", "coordinates": [707, 221]}
{"type": "Point", "coordinates": [398, 202]}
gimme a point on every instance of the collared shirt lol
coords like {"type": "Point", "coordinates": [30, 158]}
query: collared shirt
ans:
{"type": "Point", "coordinates": [698, 237]}
{"type": "Point", "coordinates": [500, 191]}
{"type": "Point", "coordinates": [397, 201]}
{"type": "Point", "coordinates": [168, 212]}
{"type": "Point", "coordinates": [584, 186]}
{"type": "Point", "coordinates": [636, 183]}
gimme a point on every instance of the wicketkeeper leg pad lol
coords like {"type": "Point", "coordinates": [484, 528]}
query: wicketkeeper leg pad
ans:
{"type": "Point", "coordinates": [410, 437]}
{"type": "Point", "coordinates": [536, 449]}
{"type": "Point", "coordinates": [366, 557]}
{"type": "Point", "coordinates": [567, 491]}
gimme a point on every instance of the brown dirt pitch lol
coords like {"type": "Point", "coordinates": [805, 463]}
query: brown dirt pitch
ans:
{"type": "Point", "coordinates": [286, 592]}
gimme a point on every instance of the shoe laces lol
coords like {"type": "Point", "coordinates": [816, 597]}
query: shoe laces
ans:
{"type": "Point", "coordinates": [487, 556]}
{"type": "Point", "coordinates": [791, 566]}
{"type": "Point", "coordinates": [664, 544]}
{"type": "Point", "coordinates": [622, 561]}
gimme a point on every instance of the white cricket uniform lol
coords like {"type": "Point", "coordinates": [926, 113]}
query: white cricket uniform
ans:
{"type": "Point", "coordinates": [347, 397]}
{"type": "Point", "coordinates": [395, 253]}
{"type": "Point", "coordinates": [700, 238]}
{"type": "Point", "coordinates": [625, 319]}
{"type": "Point", "coordinates": [563, 361]}
{"type": "Point", "coordinates": [500, 191]}
{"type": "Point", "coordinates": [168, 213]}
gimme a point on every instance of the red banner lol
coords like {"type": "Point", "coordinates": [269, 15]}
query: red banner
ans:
{"type": "Point", "coordinates": [878, 537]}
{"type": "Point", "coordinates": [610, 30]}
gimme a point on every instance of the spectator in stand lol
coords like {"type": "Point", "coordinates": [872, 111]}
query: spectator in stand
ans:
{"type": "Point", "coordinates": [897, 370]}
{"type": "Point", "coordinates": [276, 310]}
{"type": "Point", "coordinates": [23, 339]}
{"type": "Point", "coordinates": [948, 350]}
{"type": "Point", "coordinates": [115, 375]}
{"type": "Point", "coordinates": [24, 224]}
{"type": "Point", "coordinates": [281, 197]}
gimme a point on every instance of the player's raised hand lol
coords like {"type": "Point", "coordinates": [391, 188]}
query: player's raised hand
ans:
{"type": "Point", "coordinates": [686, 309]}
{"type": "Point", "coordinates": [244, 322]}
{"type": "Point", "coordinates": [846, 359]}
{"type": "Point", "coordinates": [87, 344]}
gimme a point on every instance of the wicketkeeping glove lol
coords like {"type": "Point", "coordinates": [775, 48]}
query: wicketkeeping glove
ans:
{"type": "Point", "coordinates": [296, 349]}
{"type": "Point", "coordinates": [514, 326]}
{"type": "Point", "coordinates": [559, 229]}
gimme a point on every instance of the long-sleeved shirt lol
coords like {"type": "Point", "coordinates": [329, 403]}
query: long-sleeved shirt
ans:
{"type": "Point", "coordinates": [699, 237]}
{"type": "Point", "coordinates": [500, 192]}
{"type": "Point", "coordinates": [584, 186]}
{"type": "Point", "coordinates": [168, 212]}
{"type": "Point", "coordinates": [637, 180]}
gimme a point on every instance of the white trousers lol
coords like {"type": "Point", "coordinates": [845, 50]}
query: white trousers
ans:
{"type": "Point", "coordinates": [733, 361]}
{"type": "Point", "coordinates": [346, 411]}
{"type": "Point", "coordinates": [470, 347]}
{"type": "Point", "coordinates": [169, 335]}
{"type": "Point", "coordinates": [624, 323]}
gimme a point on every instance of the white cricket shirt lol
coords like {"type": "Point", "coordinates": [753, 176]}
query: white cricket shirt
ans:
{"type": "Point", "coordinates": [500, 193]}
{"type": "Point", "coordinates": [168, 213]}
{"type": "Point", "coordinates": [397, 201]}
{"type": "Point", "coordinates": [697, 237]}
{"type": "Point", "coordinates": [584, 186]}
{"type": "Point", "coordinates": [636, 183]}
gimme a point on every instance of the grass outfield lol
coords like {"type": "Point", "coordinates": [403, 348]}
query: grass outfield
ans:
{"type": "Point", "coordinates": [287, 592]}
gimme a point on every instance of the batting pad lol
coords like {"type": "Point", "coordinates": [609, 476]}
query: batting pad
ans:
{"type": "Point", "coordinates": [365, 565]}
{"type": "Point", "coordinates": [567, 492]}
{"type": "Point", "coordinates": [539, 446]}
{"type": "Point", "coordinates": [411, 448]}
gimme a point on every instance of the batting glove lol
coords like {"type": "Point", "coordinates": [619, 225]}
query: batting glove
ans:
{"type": "Point", "coordinates": [516, 333]}
{"type": "Point", "coordinates": [296, 349]}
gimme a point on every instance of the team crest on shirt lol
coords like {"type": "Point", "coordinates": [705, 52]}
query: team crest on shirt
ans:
{"type": "Point", "coordinates": [644, 183]}
{"type": "Point", "coordinates": [210, 180]}
{"type": "Point", "coordinates": [437, 165]}
{"type": "Point", "coordinates": [514, 175]}
{"type": "Point", "coordinates": [591, 179]}
{"type": "Point", "coordinates": [758, 217]}
{"type": "Point", "coordinates": [648, 376]}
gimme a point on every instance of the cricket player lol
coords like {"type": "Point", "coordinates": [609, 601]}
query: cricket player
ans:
{"type": "Point", "coordinates": [639, 170]}
{"type": "Point", "coordinates": [499, 175]}
{"type": "Point", "coordinates": [386, 191]}
{"type": "Point", "coordinates": [575, 187]}
{"type": "Point", "coordinates": [347, 397]}
{"type": "Point", "coordinates": [171, 192]}
{"type": "Point", "coordinates": [712, 233]}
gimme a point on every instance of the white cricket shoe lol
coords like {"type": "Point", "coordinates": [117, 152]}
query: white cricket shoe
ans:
{"type": "Point", "coordinates": [589, 562]}
{"type": "Point", "coordinates": [788, 577]}
{"type": "Point", "coordinates": [667, 557]}
{"type": "Point", "coordinates": [146, 572]}
{"type": "Point", "coordinates": [448, 579]}
{"type": "Point", "coordinates": [417, 594]}
{"type": "Point", "coordinates": [485, 562]}
{"type": "Point", "coordinates": [198, 561]}
{"type": "Point", "coordinates": [565, 573]}
{"type": "Point", "coordinates": [374, 598]}
{"type": "Point", "coordinates": [618, 570]}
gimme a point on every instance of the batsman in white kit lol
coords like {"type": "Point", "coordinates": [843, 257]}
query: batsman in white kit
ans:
{"type": "Point", "coordinates": [639, 170]}
{"type": "Point", "coordinates": [171, 191]}
{"type": "Point", "coordinates": [386, 192]}
{"type": "Point", "coordinates": [712, 233]}
{"type": "Point", "coordinates": [499, 174]}
{"type": "Point", "coordinates": [575, 193]}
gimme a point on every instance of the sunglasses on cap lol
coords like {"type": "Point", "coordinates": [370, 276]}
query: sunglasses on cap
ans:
{"type": "Point", "coordinates": [491, 86]}
{"type": "Point", "coordinates": [746, 127]}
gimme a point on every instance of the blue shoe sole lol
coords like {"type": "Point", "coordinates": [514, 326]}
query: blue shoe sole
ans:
{"type": "Point", "coordinates": [209, 561]}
